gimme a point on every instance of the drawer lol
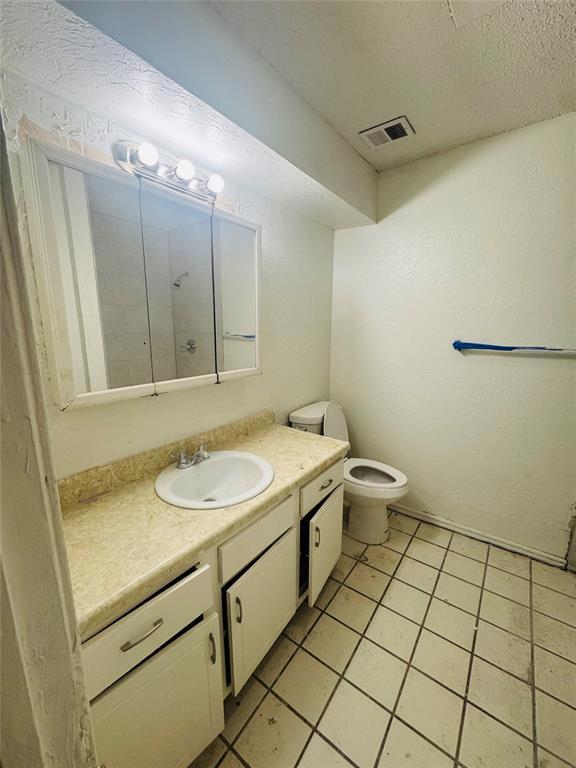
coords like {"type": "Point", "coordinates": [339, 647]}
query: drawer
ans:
{"type": "Point", "coordinates": [316, 490]}
{"type": "Point", "coordinates": [248, 544]}
{"type": "Point", "coordinates": [114, 651]}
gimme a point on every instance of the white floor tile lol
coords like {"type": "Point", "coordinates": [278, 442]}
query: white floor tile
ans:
{"type": "Point", "coordinates": [275, 660]}
{"type": "Point", "coordinates": [554, 578]}
{"type": "Point", "coordinates": [459, 593]}
{"type": "Point", "coordinates": [351, 547]}
{"type": "Point", "coordinates": [231, 761]}
{"type": "Point", "coordinates": [402, 522]}
{"type": "Point", "coordinates": [546, 760]}
{"type": "Point", "coordinates": [306, 684]}
{"type": "Point", "coordinates": [469, 547]}
{"type": "Point", "coordinates": [509, 561]}
{"type": "Point", "coordinates": [319, 754]}
{"type": "Point", "coordinates": [397, 540]}
{"type": "Point", "coordinates": [237, 709]}
{"type": "Point", "coordinates": [376, 672]}
{"type": "Point", "coordinates": [487, 743]}
{"type": "Point", "coordinates": [464, 568]}
{"type": "Point", "coordinates": [451, 622]}
{"type": "Point", "coordinates": [434, 534]}
{"type": "Point", "coordinates": [556, 727]}
{"type": "Point", "coordinates": [431, 709]}
{"type": "Point", "coordinates": [554, 604]}
{"type": "Point", "coordinates": [555, 675]}
{"type": "Point", "coordinates": [406, 749]}
{"type": "Point", "coordinates": [332, 642]}
{"type": "Point", "coordinates": [369, 581]}
{"type": "Point", "coordinates": [382, 558]}
{"type": "Point", "coordinates": [328, 592]}
{"type": "Point", "coordinates": [504, 650]}
{"type": "Point", "coordinates": [343, 567]}
{"type": "Point", "coordinates": [506, 614]}
{"type": "Point", "coordinates": [502, 696]}
{"type": "Point", "coordinates": [417, 574]}
{"type": "Point", "coordinates": [407, 600]}
{"type": "Point", "coordinates": [508, 585]}
{"type": "Point", "coordinates": [275, 736]}
{"type": "Point", "coordinates": [301, 623]}
{"type": "Point", "coordinates": [351, 608]}
{"type": "Point", "coordinates": [211, 755]}
{"type": "Point", "coordinates": [443, 661]}
{"type": "Point", "coordinates": [555, 636]}
{"type": "Point", "coordinates": [393, 632]}
{"type": "Point", "coordinates": [426, 553]}
{"type": "Point", "coordinates": [355, 724]}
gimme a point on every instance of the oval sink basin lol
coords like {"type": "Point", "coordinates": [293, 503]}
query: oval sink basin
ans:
{"type": "Point", "coordinates": [224, 479]}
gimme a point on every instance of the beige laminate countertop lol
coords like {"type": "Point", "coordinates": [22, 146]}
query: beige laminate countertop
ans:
{"type": "Point", "coordinates": [126, 544]}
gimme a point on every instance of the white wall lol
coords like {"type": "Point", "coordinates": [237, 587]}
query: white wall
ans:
{"type": "Point", "coordinates": [478, 244]}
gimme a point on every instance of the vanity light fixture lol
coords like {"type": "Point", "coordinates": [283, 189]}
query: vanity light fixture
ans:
{"type": "Point", "coordinates": [185, 170]}
{"type": "Point", "coordinates": [215, 183]}
{"type": "Point", "coordinates": [144, 160]}
{"type": "Point", "coordinates": [148, 154]}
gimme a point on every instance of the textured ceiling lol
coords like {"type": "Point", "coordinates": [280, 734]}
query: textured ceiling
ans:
{"type": "Point", "coordinates": [360, 63]}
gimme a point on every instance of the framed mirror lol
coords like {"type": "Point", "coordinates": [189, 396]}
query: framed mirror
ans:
{"type": "Point", "coordinates": [142, 289]}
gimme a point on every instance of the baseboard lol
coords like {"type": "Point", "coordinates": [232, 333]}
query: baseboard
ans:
{"type": "Point", "coordinates": [512, 546]}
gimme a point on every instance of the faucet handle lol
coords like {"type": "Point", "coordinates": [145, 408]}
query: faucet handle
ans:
{"type": "Point", "coordinates": [202, 451]}
{"type": "Point", "coordinates": [182, 458]}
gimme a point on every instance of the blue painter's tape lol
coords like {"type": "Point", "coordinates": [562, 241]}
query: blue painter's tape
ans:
{"type": "Point", "coordinates": [463, 345]}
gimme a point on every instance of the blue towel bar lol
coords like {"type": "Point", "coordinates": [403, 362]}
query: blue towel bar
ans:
{"type": "Point", "coordinates": [462, 346]}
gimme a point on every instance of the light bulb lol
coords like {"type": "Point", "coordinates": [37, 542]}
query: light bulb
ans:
{"type": "Point", "coordinates": [148, 154]}
{"type": "Point", "coordinates": [185, 170]}
{"type": "Point", "coordinates": [215, 183]}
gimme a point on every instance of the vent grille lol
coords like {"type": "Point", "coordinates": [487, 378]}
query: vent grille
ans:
{"type": "Point", "coordinates": [385, 133]}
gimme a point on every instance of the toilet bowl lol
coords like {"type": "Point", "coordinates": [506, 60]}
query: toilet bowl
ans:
{"type": "Point", "coordinates": [369, 486]}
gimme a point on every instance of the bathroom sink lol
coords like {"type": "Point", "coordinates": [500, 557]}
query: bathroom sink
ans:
{"type": "Point", "coordinates": [223, 479]}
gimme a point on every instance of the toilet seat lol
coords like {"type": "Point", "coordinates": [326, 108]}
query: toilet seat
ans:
{"type": "Point", "coordinates": [366, 474]}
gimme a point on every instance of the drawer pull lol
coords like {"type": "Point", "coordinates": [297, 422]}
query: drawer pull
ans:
{"type": "Point", "coordinates": [239, 611]}
{"type": "Point", "coordinates": [317, 542]}
{"type": "Point", "coordinates": [133, 643]}
{"type": "Point", "coordinates": [327, 484]}
{"type": "Point", "coordinates": [212, 648]}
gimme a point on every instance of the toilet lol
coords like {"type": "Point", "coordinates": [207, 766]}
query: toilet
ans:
{"type": "Point", "coordinates": [369, 486]}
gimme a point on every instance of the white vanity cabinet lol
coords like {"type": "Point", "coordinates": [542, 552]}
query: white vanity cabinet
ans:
{"type": "Point", "coordinates": [325, 542]}
{"type": "Point", "coordinates": [168, 709]}
{"type": "Point", "coordinates": [260, 604]}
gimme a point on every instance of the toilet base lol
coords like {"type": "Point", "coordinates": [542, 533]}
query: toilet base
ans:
{"type": "Point", "coordinates": [368, 522]}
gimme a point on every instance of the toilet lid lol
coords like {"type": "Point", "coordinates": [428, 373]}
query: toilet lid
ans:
{"type": "Point", "coordinates": [373, 474]}
{"type": "Point", "coordinates": [335, 422]}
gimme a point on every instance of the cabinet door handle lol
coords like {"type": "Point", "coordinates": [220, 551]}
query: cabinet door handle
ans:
{"type": "Point", "coordinates": [133, 643]}
{"type": "Point", "coordinates": [317, 542]}
{"type": "Point", "coordinates": [238, 611]}
{"type": "Point", "coordinates": [327, 484]}
{"type": "Point", "coordinates": [212, 648]}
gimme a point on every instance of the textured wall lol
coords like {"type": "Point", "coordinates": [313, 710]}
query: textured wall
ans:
{"type": "Point", "coordinates": [479, 244]}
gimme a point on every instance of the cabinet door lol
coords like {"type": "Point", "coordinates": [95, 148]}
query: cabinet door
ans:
{"type": "Point", "coordinates": [325, 542]}
{"type": "Point", "coordinates": [260, 604]}
{"type": "Point", "coordinates": [168, 709]}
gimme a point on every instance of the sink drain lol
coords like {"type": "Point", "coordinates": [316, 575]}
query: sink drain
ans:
{"type": "Point", "coordinates": [209, 498]}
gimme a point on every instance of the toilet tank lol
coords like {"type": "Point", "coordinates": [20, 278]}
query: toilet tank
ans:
{"type": "Point", "coordinates": [310, 418]}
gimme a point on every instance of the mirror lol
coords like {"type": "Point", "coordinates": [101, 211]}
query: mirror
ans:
{"type": "Point", "coordinates": [141, 288]}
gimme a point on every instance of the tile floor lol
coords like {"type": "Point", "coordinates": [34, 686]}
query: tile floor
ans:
{"type": "Point", "coordinates": [432, 651]}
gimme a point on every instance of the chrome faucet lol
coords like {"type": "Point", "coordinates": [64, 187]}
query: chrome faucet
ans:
{"type": "Point", "coordinates": [185, 461]}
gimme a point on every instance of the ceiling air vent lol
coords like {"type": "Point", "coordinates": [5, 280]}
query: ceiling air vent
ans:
{"type": "Point", "coordinates": [385, 133]}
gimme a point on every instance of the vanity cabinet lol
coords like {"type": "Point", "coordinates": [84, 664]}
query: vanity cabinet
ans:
{"type": "Point", "coordinates": [168, 709]}
{"type": "Point", "coordinates": [260, 604]}
{"type": "Point", "coordinates": [324, 541]}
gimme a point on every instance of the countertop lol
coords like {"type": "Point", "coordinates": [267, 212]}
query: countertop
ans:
{"type": "Point", "coordinates": [126, 544]}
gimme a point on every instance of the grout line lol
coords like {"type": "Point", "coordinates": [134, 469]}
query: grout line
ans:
{"type": "Point", "coordinates": [533, 678]}
{"type": "Point", "coordinates": [471, 663]}
{"type": "Point", "coordinates": [230, 746]}
{"type": "Point", "coordinates": [409, 664]}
